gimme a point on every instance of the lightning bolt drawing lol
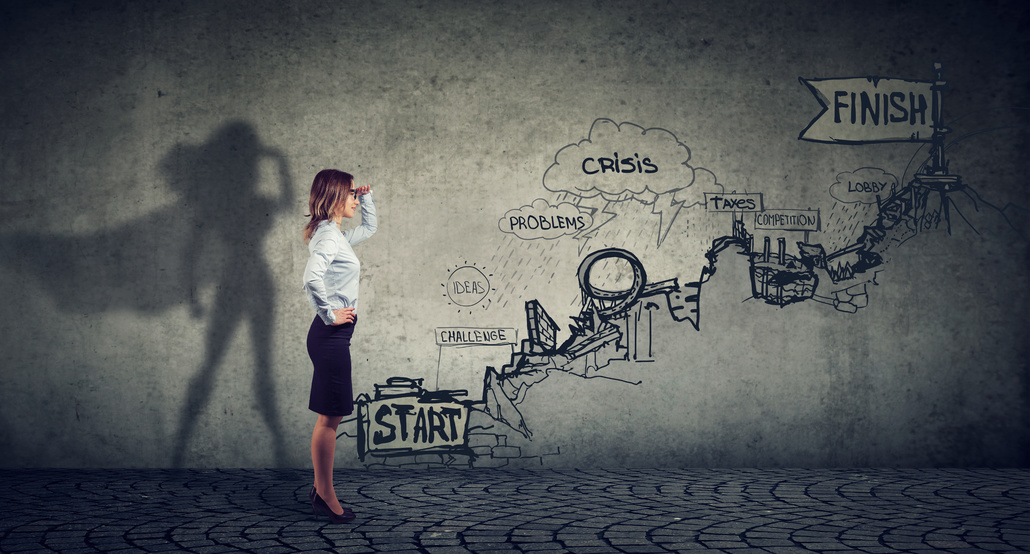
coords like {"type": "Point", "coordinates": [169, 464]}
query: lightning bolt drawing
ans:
{"type": "Point", "coordinates": [666, 208]}
{"type": "Point", "coordinates": [599, 220]}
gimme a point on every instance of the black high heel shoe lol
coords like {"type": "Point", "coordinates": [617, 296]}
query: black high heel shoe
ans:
{"type": "Point", "coordinates": [311, 495]}
{"type": "Point", "coordinates": [319, 505]}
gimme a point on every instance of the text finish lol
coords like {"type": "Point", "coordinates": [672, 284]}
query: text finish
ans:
{"type": "Point", "coordinates": [870, 109]}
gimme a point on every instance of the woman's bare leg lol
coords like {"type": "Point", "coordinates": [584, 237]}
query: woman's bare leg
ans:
{"type": "Point", "coordinates": [323, 447]}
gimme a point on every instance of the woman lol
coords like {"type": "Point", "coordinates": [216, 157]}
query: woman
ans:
{"type": "Point", "coordinates": [331, 284]}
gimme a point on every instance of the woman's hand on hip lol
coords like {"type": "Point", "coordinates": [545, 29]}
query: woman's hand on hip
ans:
{"type": "Point", "coordinates": [343, 315]}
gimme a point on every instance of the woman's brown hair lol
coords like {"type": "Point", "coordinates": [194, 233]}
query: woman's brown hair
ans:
{"type": "Point", "coordinates": [328, 191]}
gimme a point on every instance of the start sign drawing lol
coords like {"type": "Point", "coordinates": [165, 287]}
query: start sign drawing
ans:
{"type": "Point", "coordinates": [404, 425]}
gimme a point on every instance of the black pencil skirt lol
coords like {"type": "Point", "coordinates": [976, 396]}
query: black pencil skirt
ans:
{"type": "Point", "coordinates": [329, 349]}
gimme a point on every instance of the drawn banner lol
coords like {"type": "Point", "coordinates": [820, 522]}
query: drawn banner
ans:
{"type": "Point", "coordinates": [788, 220]}
{"type": "Point", "coordinates": [862, 110]}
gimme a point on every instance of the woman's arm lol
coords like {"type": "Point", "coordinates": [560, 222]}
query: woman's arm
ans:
{"type": "Point", "coordinates": [369, 220]}
{"type": "Point", "coordinates": [322, 253]}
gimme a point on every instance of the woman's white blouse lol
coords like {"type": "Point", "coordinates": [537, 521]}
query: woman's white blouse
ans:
{"type": "Point", "coordinates": [331, 274]}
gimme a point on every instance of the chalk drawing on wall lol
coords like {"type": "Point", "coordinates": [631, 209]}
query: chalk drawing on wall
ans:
{"type": "Point", "coordinates": [623, 162]}
{"type": "Point", "coordinates": [865, 110]}
{"type": "Point", "coordinates": [466, 286]}
{"type": "Point", "coordinates": [541, 220]}
{"type": "Point", "coordinates": [405, 424]}
{"type": "Point", "coordinates": [868, 110]}
{"type": "Point", "coordinates": [403, 419]}
{"type": "Point", "coordinates": [599, 179]}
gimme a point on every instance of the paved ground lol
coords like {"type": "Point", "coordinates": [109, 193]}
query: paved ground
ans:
{"type": "Point", "coordinates": [495, 510]}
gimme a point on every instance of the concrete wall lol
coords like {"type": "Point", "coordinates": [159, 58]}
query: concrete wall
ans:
{"type": "Point", "coordinates": [155, 160]}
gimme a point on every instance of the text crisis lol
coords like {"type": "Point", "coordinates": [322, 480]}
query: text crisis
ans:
{"type": "Point", "coordinates": [636, 164]}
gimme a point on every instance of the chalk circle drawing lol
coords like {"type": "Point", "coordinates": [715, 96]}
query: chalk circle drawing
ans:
{"type": "Point", "coordinates": [611, 303]}
{"type": "Point", "coordinates": [467, 286]}
{"type": "Point", "coordinates": [541, 220]}
{"type": "Point", "coordinates": [863, 186]}
{"type": "Point", "coordinates": [620, 162]}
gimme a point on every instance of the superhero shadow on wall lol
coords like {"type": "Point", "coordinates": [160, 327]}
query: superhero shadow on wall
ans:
{"type": "Point", "coordinates": [209, 240]}
{"type": "Point", "coordinates": [219, 181]}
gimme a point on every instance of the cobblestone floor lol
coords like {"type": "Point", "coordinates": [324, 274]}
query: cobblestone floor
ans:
{"type": "Point", "coordinates": [496, 510]}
